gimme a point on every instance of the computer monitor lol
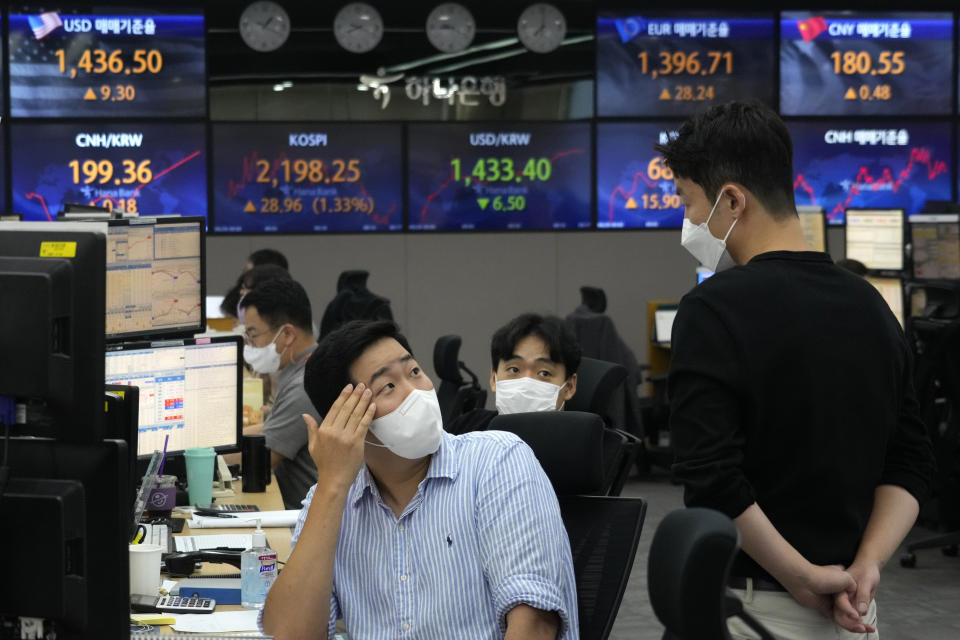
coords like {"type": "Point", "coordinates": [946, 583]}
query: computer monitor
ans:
{"type": "Point", "coordinates": [213, 306]}
{"type": "Point", "coordinates": [190, 390]}
{"type": "Point", "coordinates": [663, 319]}
{"type": "Point", "coordinates": [935, 243]}
{"type": "Point", "coordinates": [155, 281]}
{"type": "Point", "coordinates": [875, 238]}
{"type": "Point", "coordinates": [703, 273]}
{"type": "Point", "coordinates": [70, 503]}
{"type": "Point", "coordinates": [52, 325]}
{"type": "Point", "coordinates": [892, 291]}
{"type": "Point", "coordinates": [814, 223]}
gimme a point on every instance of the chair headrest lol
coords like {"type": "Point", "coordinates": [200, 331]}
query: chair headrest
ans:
{"type": "Point", "coordinates": [596, 382]}
{"type": "Point", "coordinates": [446, 358]}
{"type": "Point", "coordinates": [687, 571]}
{"type": "Point", "coordinates": [568, 444]}
{"type": "Point", "coordinates": [353, 279]}
{"type": "Point", "coordinates": [594, 298]}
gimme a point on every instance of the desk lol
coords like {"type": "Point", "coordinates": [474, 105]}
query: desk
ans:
{"type": "Point", "coordinates": [278, 537]}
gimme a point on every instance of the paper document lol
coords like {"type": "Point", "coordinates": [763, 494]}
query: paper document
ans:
{"type": "Point", "coordinates": [212, 541]}
{"type": "Point", "coordinates": [217, 622]}
{"type": "Point", "coordinates": [244, 520]}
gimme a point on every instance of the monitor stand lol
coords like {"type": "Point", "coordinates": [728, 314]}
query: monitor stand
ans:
{"type": "Point", "coordinates": [223, 484]}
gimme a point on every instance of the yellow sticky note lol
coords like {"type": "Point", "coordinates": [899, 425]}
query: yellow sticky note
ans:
{"type": "Point", "coordinates": [153, 618]}
{"type": "Point", "coordinates": [58, 249]}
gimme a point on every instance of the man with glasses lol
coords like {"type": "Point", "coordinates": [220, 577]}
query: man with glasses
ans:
{"type": "Point", "coordinates": [279, 339]}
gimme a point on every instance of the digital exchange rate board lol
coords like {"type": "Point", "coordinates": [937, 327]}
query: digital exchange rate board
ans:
{"type": "Point", "coordinates": [144, 168]}
{"type": "Point", "coordinates": [635, 189]}
{"type": "Point", "coordinates": [846, 63]}
{"type": "Point", "coordinates": [490, 177]}
{"type": "Point", "coordinates": [840, 164]}
{"type": "Point", "coordinates": [677, 64]}
{"type": "Point", "coordinates": [106, 64]}
{"type": "Point", "coordinates": [306, 177]}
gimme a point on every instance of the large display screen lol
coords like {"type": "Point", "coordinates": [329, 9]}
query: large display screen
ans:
{"type": "Point", "coordinates": [676, 64]}
{"type": "Point", "coordinates": [149, 169]}
{"type": "Point", "coordinates": [852, 63]}
{"type": "Point", "coordinates": [307, 177]}
{"type": "Point", "coordinates": [484, 176]}
{"type": "Point", "coordinates": [635, 189]}
{"type": "Point", "coordinates": [129, 64]}
{"type": "Point", "coordinates": [841, 164]}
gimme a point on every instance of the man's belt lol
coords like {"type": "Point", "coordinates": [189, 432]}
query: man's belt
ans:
{"type": "Point", "coordinates": [759, 584]}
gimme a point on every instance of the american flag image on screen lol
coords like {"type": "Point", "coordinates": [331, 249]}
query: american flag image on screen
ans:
{"type": "Point", "coordinates": [44, 24]}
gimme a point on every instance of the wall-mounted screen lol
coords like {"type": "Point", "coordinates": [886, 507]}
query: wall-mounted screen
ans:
{"type": "Point", "coordinates": [148, 169]}
{"type": "Point", "coordinates": [852, 63]}
{"type": "Point", "coordinates": [870, 164]}
{"type": "Point", "coordinates": [495, 176]}
{"type": "Point", "coordinates": [669, 64]}
{"type": "Point", "coordinates": [307, 177]}
{"type": "Point", "coordinates": [106, 64]}
{"type": "Point", "coordinates": [635, 189]}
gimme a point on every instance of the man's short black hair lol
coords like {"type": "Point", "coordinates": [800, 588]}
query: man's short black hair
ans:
{"type": "Point", "coordinates": [327, 371]}
{"type": "Point", "coordinates": [264, 273]}
{"type": "Point", "coordinates": [261, 257]}
{"type": "Point", "coordinates": [563, 345]}
{"type": "Point", "coordinates": [279, 302]}
{"type": "Point", "coordinates": [228, 306]}
{"type": "Point", "coordinates": [742, 142]}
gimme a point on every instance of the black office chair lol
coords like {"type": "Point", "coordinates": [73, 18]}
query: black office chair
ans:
{"type": "Point", "coordinates": [687, 572]}
{"type": "Point", "coordinates": [456, 395]}
{"type": "Point", "coordinates": [597, 382]}
{"type": "Point", "coordinates": [604, 531]}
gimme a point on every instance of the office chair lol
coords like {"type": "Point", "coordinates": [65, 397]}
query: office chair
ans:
{"type": "Point", "coordinates": [687, 573]}
{"type": "Point", "coordinates": [604, 531]}
{"type": "Point", "coordinates": [936, 339]}
{"type": "Point", "coordinates": [456, 396]}
{"type": "Point", "coordinates": [597, 381]}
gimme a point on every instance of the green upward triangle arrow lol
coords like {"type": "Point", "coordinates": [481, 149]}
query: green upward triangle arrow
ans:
{"type": "Point", "coordinates": [483, 202]}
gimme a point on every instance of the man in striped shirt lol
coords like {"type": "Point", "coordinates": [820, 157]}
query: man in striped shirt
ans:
{"type": "Point", "coordinates": [411, 532]}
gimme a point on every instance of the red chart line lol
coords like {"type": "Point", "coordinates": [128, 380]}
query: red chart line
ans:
{"type": "Point", "coordinates": [629, 194]}
{"type": "Point", "coordinates": [864, 179]}
{"type": "Point", "coordinates": [433, 196]}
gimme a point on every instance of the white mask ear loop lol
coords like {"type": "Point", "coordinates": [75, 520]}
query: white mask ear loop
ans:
{"type": "Point", "coordinates": [714, 210]}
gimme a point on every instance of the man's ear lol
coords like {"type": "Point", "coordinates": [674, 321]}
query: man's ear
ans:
{"type": "Point", "coordinates": [735, 197]}
{"type": "Point", "coordinates": [569, 390]}
{"type": "Point", "coordinates": [493, 380]}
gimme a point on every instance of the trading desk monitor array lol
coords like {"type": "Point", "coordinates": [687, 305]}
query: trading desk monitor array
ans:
{"type": "Point", "coordinates": [892, 291]}
{"type": "Point", "coordinates": [155, 277]}
{"type": "Point", "coordinates": [875, 238]}
{"type": "Point", "coordinates": [935, 246]}
{"type": "Point", "coordinates": [813, 221]}
{"type": "Point", "coordinates": [189, 391]}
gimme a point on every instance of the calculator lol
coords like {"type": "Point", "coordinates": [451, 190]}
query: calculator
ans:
{"type": "Point", "coordinates": [171, 604]}
{"type": "Point", "coordinates": [233, 508]}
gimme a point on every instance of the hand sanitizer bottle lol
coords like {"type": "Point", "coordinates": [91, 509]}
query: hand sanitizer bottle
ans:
{"type": "Point", "coordinates": [258, 570]}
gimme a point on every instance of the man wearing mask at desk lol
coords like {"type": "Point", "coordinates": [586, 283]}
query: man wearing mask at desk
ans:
{"type": "Point", "coordinates": [414, 531]}
{"type": "Point", "coordinates": [534, 362]}
{"type": "Point", "coordinates": [279, 339]}
{"type": "Point", "coordinates": [792, 407]}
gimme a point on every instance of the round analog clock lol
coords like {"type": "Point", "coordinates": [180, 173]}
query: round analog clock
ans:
{"type": "Point", "coordinates": [450, 27]}
{"type": "Point", "coordinates": [264, 26]}
{"type": "Point", "coordinates": [358, 27]}
{"type": "Point", "coordinates": [541, 27]}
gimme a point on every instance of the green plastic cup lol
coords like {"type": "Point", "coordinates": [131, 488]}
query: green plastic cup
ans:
{"type": "Point", "coordinates": [200, 475]}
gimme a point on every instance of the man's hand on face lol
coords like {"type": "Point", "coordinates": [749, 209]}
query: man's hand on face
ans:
{"type": "Point", "coordinates": [336, 445]}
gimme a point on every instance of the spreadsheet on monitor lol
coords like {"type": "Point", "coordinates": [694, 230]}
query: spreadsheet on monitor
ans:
{"type": "Point", "coordinates": [187, 391]}
{"type": "Point", "coordinates": [875, 238]}
{"type": "Point", "coordinates": [936, 246]}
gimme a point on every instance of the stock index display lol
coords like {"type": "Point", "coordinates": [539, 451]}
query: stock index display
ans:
{"type": "Point", "coordinates": [98, 64]}
{"type": "Point", "coordinates": [635, 188]}
{"type": "Point", "coordinates": [142, 168]}
{"type": "Point", "coordinates": [852, 63]}
{"type": "Point", "coordinates": [495, 177]}
{"type": "Point", "coordinates": [661, 64]}
{"type": "Point", "coordinates": [307, 177]}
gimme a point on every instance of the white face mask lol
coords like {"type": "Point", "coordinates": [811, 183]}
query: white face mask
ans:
{"type": "Point", "coordinates": [263, 359]}
{"type": "Point", "coordinates": [525, 395]}
{"type": "Point", "coordinates": [412, 430]}
{"type": "Point", "coordinates": [704, 246]}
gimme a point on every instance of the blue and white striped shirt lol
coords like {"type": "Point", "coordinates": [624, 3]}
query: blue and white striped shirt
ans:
{"type": "Point", "coordinates": [482, 534]}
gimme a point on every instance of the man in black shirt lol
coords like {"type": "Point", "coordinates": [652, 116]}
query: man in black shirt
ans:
{"type": "Point", "coordinates": [792, 402]}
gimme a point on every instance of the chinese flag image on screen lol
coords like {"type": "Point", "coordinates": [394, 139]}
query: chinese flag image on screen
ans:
{"type": "Point", "coordinates": [811, 28]}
